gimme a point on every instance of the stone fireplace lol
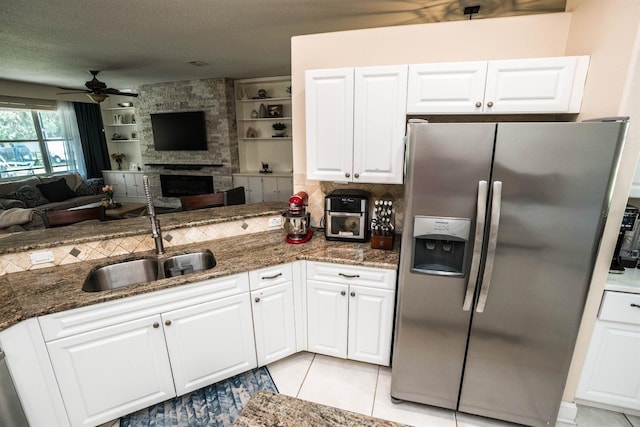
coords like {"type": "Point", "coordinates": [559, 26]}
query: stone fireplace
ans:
{"type": "Point", "coordinates": [221, 159]}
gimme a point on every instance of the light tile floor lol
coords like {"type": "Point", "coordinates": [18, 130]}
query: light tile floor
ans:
{"type": "Point", "coordinates": [364, 388]}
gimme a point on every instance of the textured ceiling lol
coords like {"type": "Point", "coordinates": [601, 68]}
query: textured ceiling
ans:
{"type": "Point", "coordinates": [149, 41]}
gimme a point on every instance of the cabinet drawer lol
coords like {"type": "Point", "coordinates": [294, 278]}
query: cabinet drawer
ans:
{"type": "Point", "coordinates": [620, 307]}
{"type": "Point", "coordinates": [84, 319]}
{"type": "Point", "coordinates": [353, 275]}
{"type": "Point", "coordinates": [270, 276]}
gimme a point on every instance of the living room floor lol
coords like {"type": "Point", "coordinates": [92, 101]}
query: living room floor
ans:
{"type": "Point", "coordinates": [364, 388]}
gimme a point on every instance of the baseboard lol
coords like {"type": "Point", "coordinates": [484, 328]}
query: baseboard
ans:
{"type": "Point", "coordinates": [568, 413]}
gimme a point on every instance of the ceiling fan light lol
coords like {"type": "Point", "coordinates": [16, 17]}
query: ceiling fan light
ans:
{"type": "Point", "coordinates": [98, 97]}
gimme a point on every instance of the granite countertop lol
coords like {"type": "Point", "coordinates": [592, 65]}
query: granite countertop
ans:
{"type": "Point", "coordinates": [627, 282]}
{"type": "Point", "coordinates": [44, 291]}
{"type": "Point", "coordinates": [87, 232]}
{"type": "Point", "coordinates": [270, 409]}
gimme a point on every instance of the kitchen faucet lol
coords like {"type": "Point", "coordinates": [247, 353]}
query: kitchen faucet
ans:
{"type": "Point", "coordinates": [156, 233]}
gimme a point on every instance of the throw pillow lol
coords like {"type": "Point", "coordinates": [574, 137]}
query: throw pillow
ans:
{"type": "Point", "coordinates": [90, 187]}
{"type": "Point", "coordinates": [56, 191]}
{"type": "Point", "coordinates": [29, 196]}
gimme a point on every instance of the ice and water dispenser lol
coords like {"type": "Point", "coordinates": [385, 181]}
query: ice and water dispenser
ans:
{"type": "Point", "coordinates": [440, 245]}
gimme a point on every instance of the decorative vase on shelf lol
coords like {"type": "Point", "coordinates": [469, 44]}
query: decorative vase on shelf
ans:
{"type": "Point", "coordinates": [112, 202]}
{"type": "Point", "coordinates": [119, 165]}
{"type": "Point", "coordinates": [262, 112]}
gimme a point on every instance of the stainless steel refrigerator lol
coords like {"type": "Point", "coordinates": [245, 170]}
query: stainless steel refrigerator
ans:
{"type": "Point", "coordinates": [502, 226]}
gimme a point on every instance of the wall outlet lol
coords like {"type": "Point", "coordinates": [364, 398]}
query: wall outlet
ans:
{"type": "Point", "coordinates": [41, 257]}
{"type": "Point", "coordinates": [276, 221]}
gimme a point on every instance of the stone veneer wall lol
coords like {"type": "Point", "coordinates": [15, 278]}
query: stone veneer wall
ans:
{"type": "Point", "coordinates": [213, 96]}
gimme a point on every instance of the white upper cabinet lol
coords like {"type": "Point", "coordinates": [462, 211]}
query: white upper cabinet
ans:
{"type": "Point", "coordinates": [329, 114]}
{"type": "Point", "coordinates": [355, 124]}
{"type": "Point", "coordinates": [446, 87]}
{"type": "Point", "coordinates": [538, 85]}
{"type": "Point", "coordinates": [379, 124]}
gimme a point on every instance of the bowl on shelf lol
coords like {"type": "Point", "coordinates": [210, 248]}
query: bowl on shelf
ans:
{"type": "Point", "coordinates": [125, 104]}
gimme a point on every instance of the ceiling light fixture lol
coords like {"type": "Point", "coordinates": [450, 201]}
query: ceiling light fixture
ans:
{"type": "Point", "coordinates": [471, 10]}
{"type": "Point", "coordinates": [98, 97]}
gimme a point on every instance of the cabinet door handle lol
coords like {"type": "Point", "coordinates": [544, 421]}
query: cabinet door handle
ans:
{"type": "Point", "coordinates": [356, 175]}
{"type": "Point", "coordinates": [478, 104]}
{"type": "Point", "coordinates": [349, 276]}
{"type": "Point", "coordinates": [489, 104]}
{"type": "Point", "coordinates": [353, 294]}
{"type": "Point", "coordinates": [347, 175]}
{"type": "Point", "coordinates": [275, 276]}
{"type": "Point", "coordinates": [156, 324]}
{"type": "Point", "coordinates": [343, 293]}
{"type": "Point", "coordinates": [635, 305]}
{"type": "Point", "coordinates": [167, 322]}
{"type": "Point", "coordinates": [257, 299]}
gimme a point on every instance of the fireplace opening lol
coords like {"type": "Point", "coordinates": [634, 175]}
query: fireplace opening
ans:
{"type": "Point", "coordinates": [185, 185]}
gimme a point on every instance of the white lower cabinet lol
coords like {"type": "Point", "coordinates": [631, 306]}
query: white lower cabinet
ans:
{"type": "Point", "coordinates": [272, 299]}
{"type": "Point", "coordinates": [209, 342]}
{"type": "Point", "coordinates": [350, 311]}
{"type": "Point", "coordinates": [611, 374]}
{"type": "Point", "coordinates": [327, 318]}
{"type": "Point", "coordinates": [277, 189]}
{"type": "Point", "coordinates": [127, 185]}
{"type": "Point", "coordinates": [264, 188]}
{"type": "Point", "coordinates": [189, 337]}
{"type": "Point", "coordinates": [112, 371]}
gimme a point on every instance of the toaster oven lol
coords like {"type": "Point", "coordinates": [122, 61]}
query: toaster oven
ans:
{"type": "Point", "coordinates": [346, 215]}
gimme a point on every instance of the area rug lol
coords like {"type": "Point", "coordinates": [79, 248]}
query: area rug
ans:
{"type": "Point", "coordinates": [216, 405]}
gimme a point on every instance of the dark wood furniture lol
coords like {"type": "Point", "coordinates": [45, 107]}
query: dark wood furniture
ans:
{"type": "Point", "coordinates": [65, 217]}
{"type": "Point", "coordinates": [200, 201]}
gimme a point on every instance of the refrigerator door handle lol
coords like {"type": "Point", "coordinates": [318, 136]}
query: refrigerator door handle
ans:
{"type": "Point", "coordinates": [496, 201]}
{"type": "Point", "coordinates": [481, 213]}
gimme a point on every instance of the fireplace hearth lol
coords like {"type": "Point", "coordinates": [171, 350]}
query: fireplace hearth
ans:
{"type": "Point", "coordinates": [185, 185]}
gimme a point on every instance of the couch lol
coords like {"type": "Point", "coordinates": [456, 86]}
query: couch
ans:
{"type": "Point", "coordinates": [23, 200]}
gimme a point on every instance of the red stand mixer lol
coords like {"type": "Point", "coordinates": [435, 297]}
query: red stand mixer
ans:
{"type": "Point", "coordinates": [297, 220]}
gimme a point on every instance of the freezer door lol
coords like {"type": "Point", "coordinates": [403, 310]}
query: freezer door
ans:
{"type": "Point", "coordinates": [555, 180]}
{"type": "Point", "coordinates": [446, 165]}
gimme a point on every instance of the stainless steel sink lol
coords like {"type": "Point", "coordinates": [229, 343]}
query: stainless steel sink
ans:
{"type": "Point", "coordinates": [135, 272]}
{"type": "Point", "coordinates": [179, 265]}
{"type": "Point", "coordinates": [122, 274]}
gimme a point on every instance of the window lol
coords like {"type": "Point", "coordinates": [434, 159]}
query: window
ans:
{"type": "Point", "coordinates": [33, 142]}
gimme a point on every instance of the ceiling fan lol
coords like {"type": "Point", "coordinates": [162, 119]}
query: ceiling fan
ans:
{"type": "Point", "coordinates": [96, 90]}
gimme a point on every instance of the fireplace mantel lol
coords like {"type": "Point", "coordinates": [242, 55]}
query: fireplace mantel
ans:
{"type": "Point", "coordinates": [174, 166]}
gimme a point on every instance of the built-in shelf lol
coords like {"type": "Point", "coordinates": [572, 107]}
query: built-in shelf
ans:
{"type": "Point", "coordinates": [121, 124]}
{"type": "Point", "coordinates": [257, 143]}
{"type": "Point", "coordinates": [173, 166]}
{"type": "Point", "coordinates": [124, 140]}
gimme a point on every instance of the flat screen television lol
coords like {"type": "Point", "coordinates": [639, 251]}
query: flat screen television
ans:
{"type": "Point", "coordinates": [179, 131]}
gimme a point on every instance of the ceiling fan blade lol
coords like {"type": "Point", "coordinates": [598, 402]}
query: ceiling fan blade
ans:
{"type": "Point", "coordinates": [112, 91]}
{"type": "Point", "coordinates": [73, 89]}
{"type": "Point", "coordinates": [74, 92]}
